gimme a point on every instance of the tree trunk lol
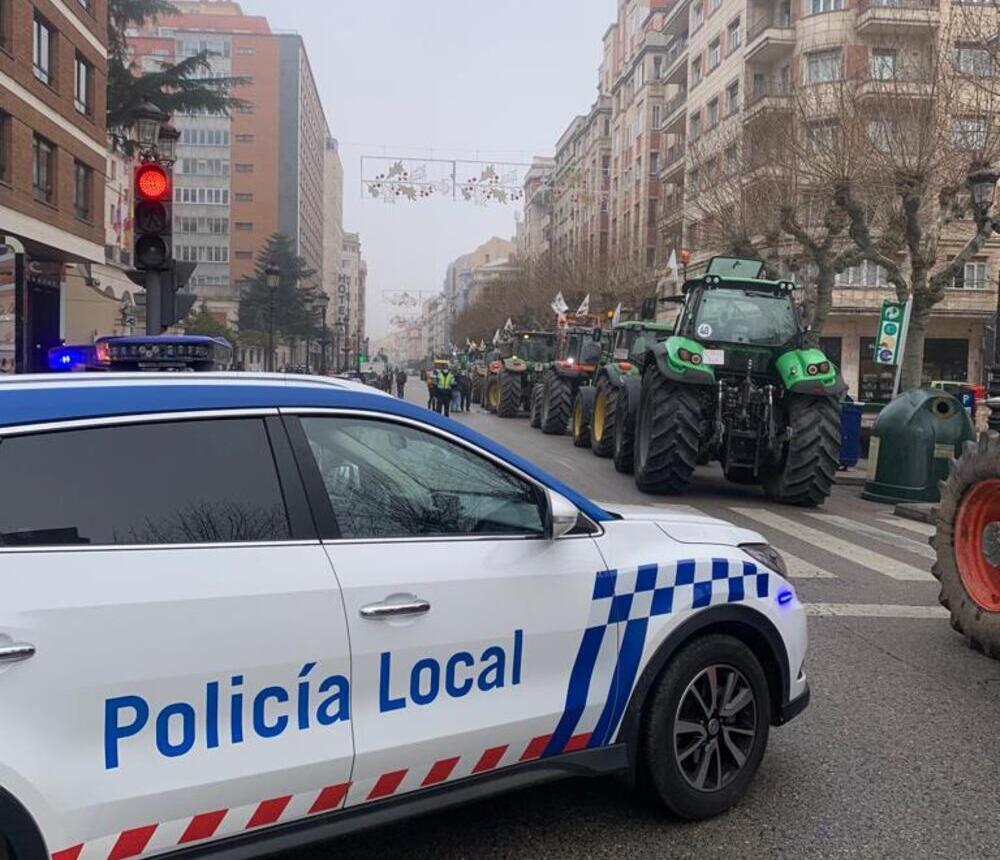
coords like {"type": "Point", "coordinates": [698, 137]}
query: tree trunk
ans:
{"type": "Point", "coordinates": [913, 359]}
{"type": "Point", "coordinates": [821, 308]}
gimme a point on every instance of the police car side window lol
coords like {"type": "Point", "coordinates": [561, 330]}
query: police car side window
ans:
{"type": "Point", "coordinates": [389, 480]}
{"type": "Point", "coordinates": [211, 481]}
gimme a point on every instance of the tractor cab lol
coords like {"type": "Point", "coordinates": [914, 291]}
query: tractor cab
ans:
{"type": "Point", "coordinates": [532, 347]}
{"type": "Point", "coordinates": [631, 339]}
{"type": "Point", "coordinates": [580, 341]}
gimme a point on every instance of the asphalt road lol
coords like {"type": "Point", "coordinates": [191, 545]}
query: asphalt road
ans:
{"type": "Point", "coordinates": [898, 755]}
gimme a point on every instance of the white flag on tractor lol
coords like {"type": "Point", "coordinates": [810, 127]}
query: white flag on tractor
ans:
{"type": "Point", "coordinates": [509, 325]}
{"type": "Point", "coordinates": [496, 337]}
{"type": "Point", "coordinates": [672, 267]}
{"type": "Point", "coordinates": [617, 318]}
{"type": "Point", "coordinates": [559, 304]}
{"type": "Point", "coordinates": [584, 306]}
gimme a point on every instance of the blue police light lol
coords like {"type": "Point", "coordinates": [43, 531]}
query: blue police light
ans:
{"type": "Point", "coordinates": [67, 359]}
{"type": "Point", "coordinates": [166, 352]}
{"type": "Point", "coordinates": [785, 596]}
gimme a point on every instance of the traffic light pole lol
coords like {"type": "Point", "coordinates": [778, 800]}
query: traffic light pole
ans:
{"type": "Point", "coordinates": [154, 321]}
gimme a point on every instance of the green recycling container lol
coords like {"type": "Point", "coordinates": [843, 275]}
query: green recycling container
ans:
{"type": "Point", "coordinates": [913, 440]}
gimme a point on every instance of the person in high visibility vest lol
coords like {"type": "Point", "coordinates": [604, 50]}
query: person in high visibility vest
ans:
{"type": "Point", "coordinates": [444, 382]}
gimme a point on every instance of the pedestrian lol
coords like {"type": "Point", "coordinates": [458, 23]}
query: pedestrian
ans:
{"type": "Point", "coordinates": [444, 384]}
{"type": "Point", "coordinates": [400, 383]}
{"type": "Point", "coordinates": [465, 389]}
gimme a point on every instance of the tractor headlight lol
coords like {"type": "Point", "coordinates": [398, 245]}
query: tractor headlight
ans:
{"type": "Point", "coordinates": [767, 555]}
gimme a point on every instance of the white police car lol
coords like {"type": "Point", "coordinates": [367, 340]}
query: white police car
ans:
{"type": "Point", "coordinates": [242, 613]}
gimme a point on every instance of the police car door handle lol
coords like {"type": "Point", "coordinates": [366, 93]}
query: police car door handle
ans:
{"type": "Point", "coordinates": [395, 610]}
{"type": "Point", "coordinates": [16, 652]}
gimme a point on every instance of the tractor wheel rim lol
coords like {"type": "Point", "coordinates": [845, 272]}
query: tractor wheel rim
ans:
{"type": "Point", "coordinates": [577, 418]}
{"type": "Point", "coordinates": [977, 543]}
{"type": "Point", "coordinates": [494, 395]}
{"type": "Point", "coordinates": [715, 728]}
{"type": "Point", "coordinates": [597, 422]}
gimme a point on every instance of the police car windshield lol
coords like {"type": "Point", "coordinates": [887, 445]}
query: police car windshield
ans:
{"type": "Point", "coordinates": [744, 316]}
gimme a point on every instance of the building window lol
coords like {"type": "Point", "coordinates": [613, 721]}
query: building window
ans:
{"type": "Point", "coordinates": [244, 226]}
{"type": "Point", "coordinates": [654, 163]}
{"type": "Point", "coordinates": [244, 168]}
{"type": "Point", "coordinates": [5, 13]}
{"type": "Point", "coordinates": [43, 169]}
{"type": "Point", "coordinates": [865, 274]}
{"type": "Point", "coordinates": [817, 6]}
{"type": "Point", "coordinates": [696, 74]}
{"type": "Point", "coordinates": [974, 61]}
{"type": "Point", "coordinates": [44, 50]}
{"type": "Point", "coordinates": [5, 151]}
{"type": "Point", "coordinates": [970, 133]}
{"type": "Point", "coordinates": [882, 64]}
{"type": "Point", "coordinates": [735, 35]}
{"type": "Point", "coordinates": [246, 50]}
{"type": "Point", "coordinates": [245, 138]}
{"type": "Point", "coordinates": [972, 278]}
{"type": "Point", "coordinates": [244, 255]}
{"type": "Point", "coordinates": [83, 86]}
{"type": "Point", "coordinates": [695, 126]}
{"type": "Point", "coordinates": [714, 53]}
{"type": "Point", "coordinates": [697, 15]}
{"type": "Point", "coordinates": [713, 113]}
{"type": "Point", "coordinates": [657, 116]}
{"type": "Point", "coordinates": [732, 98]}
{"type": "Point", "coordinates": [243, 197]}
{"type": "Point", "coordinates": [730, 160]}
{"type": "Point", "coordinates": [657, 68]}
{"type": "Point", "coordinates": [823, 66]}
{"type": "Point", "coordinates": [694, 181]}
{"type": "Point", "coordinates": [83, 193]}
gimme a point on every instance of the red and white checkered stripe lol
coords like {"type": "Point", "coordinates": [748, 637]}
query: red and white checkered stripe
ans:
{"type": "Point", "coordinates": [155, 838]}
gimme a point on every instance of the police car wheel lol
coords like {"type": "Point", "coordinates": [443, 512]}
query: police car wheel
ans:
{"type": "Point", "coordinates": [706, 727]}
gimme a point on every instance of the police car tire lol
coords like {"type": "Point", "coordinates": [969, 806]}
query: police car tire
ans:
{"type": "Point", "coordinates": [805, 475]}
{"type": "Point", "coordinates": [20, 838]}
{"type": "Point", "coordinates": [626, 410]}
{"type": "Point", "coordinates": [670, 418]}
{"type": "Point", "coordinates": [537, 393]}
{"type": "Point", "coordinates": [979, 463]}
{"type": "Point", "coordinates": [585, 403]}
{"type": "Point", "coordinates": [605, 446]}
{"type": "Point", "coordinates": [510, 395]}
{"type": "Point", "coordinates": [557, 402]}
{"type": "Point", "coordinates": [663, 774]}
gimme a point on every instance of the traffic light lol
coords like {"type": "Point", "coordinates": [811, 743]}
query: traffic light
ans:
{"type": "Point", "coordinates": [153, 222]}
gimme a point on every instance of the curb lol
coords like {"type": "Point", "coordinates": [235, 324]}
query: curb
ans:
{"type": "Point", "coordinates": [921, 512]}
{"type": "Point", "coordinates": [850, 479]}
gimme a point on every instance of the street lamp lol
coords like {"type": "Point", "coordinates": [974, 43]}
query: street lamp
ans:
{"type": "Point", "coordinates": [272, 277]}
{"type": "Point", "coordinates": [166, 147]}
{"type": "Point", "coordinates": [323, 302]}
{"type": "Point", "coordinates": [148, 119]}
{"type": "Point", "coordinates": [982, 184]}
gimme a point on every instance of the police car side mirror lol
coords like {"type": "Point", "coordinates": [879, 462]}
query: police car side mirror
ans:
{"type": "Point", "coordinates": [562, 515]}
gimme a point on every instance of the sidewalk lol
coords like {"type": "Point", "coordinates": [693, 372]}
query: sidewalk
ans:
{"type": "Point", "coordinates": [853, 477]}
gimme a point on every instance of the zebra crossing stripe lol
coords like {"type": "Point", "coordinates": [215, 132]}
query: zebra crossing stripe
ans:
{"type": "Point", "coordinates": [905, 543]}
{"type": "Point", "coordinates": [801, 569]}
{"type": "Point", "coordinates": [861, 555]}
{"type": "Point", "coordinates": [925, 529]}
{"type": "Point", "coordinates": [874, 610]}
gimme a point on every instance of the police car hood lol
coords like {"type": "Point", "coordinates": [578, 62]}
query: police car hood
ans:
{"type": "Point", "coordinates": [686, 527]}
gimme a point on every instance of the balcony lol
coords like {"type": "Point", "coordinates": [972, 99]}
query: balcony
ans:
{"type": "Point", "coordinates": [675, 62]}
{"type": "Point", "coordinates": [897, 17]}
{"type": "Point", "coordinates": [770, 37]}
{"type": "Point", "coordinates": [673, 113]}
{"type": "Point", "coordinates": [899, 84]}
{"type": "Point", "coordinates": [673, 160]}
{"type": "Point", "coordinates": [767, 97]}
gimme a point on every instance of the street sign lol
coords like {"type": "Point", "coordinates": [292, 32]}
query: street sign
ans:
{"type": "Point", "coordinates": [889, 341]}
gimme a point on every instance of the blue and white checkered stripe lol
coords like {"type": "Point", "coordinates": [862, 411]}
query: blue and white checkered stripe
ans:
{"type": "Point", "coordinates": [631, 597]}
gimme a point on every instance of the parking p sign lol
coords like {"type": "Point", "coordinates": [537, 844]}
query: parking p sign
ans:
{"type": "Point", "coordinates": [890, 332]}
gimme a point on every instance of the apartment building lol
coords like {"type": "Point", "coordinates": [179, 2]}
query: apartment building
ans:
{"type": "Point", "coordinates": [533, 236]}
{"type": "Point", "coordinates": [333, 218]}
{"type": "Point", "coordinates": [53, 143]}
{"type": "Point", "coordinates": [351, 302]}
{"type": "Point", "coordinates": [241, 178]}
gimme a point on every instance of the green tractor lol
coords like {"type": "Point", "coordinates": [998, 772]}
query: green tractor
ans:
{"type": "Point", "coordinates": [736, 384]}
{"type": "Point", "coordinates": [578, 351]}
{"type": "Point", "coordinates": [617, 380]}
{"type": "Point", "coordinates": [520, 365]}
{"type": "Point", "coordinates": [479, 374]}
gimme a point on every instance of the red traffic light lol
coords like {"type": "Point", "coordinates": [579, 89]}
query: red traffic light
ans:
{"type": "Point", "coordinates": [152, 182]}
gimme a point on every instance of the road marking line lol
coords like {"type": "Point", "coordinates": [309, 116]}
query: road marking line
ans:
{"type": "Point", "coordinates": [874, 610]}
{"type": "Point", "coordinates": [800, 569]}
{"type": "Point", "coordinates": [831, 543]}
{"type": "Point", "coordinates": [925, 529]}
{"type": "Point", "coordinates": [905, 543]}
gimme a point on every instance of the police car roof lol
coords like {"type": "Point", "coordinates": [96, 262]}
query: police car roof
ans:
{"type": "Point", "coordinates": [47, 398]}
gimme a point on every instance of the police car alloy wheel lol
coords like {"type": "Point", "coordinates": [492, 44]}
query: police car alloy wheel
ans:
{"type": "Point", "coordinates": [707, 727]}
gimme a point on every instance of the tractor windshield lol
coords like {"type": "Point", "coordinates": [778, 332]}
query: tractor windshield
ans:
{"type": "Point", "coordinates": [744, 316]}
{"type": "Point", "coordinates": [538, 349]}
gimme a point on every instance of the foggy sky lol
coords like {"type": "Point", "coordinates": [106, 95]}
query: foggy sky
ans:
{"type": "Point", "coordinates": [449, 78]}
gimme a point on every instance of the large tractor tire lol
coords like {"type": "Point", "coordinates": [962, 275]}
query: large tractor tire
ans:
{"type": "Point", "coordinates": [509, 402]}
{"type": "Point", "coordinates": [805, 474]}
{"type": "Point", "coordinates": [492, 398]}
{"type": "Point", "coordinates": [477, 389]}
{"type": "Point", "coordinates": [537, 395]}
{"type": "Point", "coordinates": [583, 412]}
{"type": "Point", "coordinates": [557, 403]}
{"type": "Point", "coordinates": [626, 411]}
{"type": "Point", "coordinates": [968, 545]}
{"type": "Point", "coordinates": [667, 435]}
{"type": "Point", "coordinates": [602, 423]}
